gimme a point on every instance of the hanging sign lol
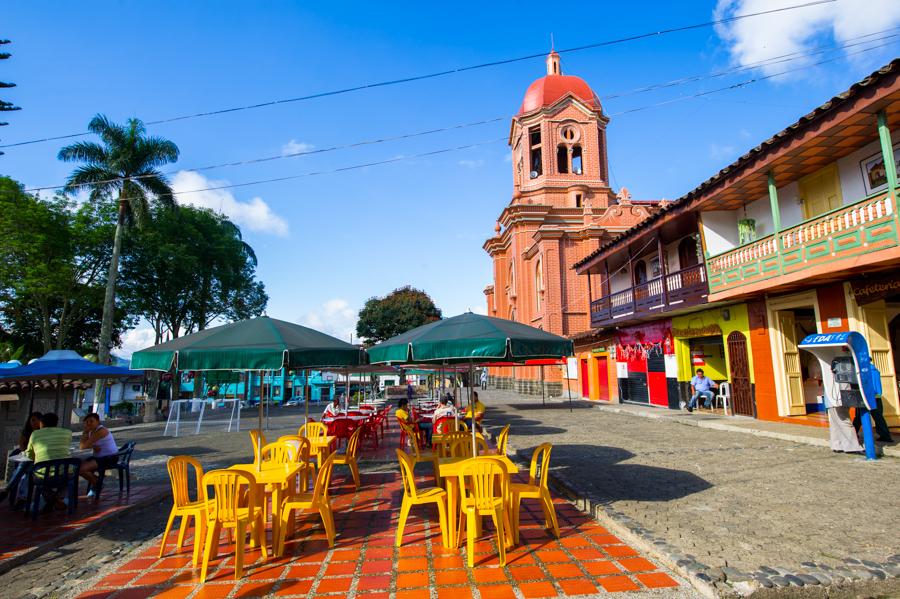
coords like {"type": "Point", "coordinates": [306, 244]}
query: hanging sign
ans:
{"type": "Point", "coordinates": [873, 288]}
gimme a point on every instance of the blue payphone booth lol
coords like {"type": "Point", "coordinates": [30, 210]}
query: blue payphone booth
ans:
{"type": "Point", "coordinates": [848, 376]}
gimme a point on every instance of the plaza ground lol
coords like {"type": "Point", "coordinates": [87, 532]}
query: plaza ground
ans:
{"type": "Point", "coordinates": [673, 500]}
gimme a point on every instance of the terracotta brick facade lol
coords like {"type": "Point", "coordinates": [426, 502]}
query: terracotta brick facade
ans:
{"type": "Point", "coordinates": [562, 209]}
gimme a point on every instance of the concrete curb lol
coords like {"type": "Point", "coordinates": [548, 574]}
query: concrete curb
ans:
{"type": "Point", "coordinates": [74, 535]}
{"type": "Point", "coordinates": [887, 450]}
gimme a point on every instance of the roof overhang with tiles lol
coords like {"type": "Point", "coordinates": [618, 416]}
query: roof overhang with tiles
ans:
{"type": "Point", "coordinates": [833, 130]}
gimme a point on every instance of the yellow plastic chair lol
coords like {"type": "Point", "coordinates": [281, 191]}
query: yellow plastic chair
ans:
{"type": "Point", "coordinates": [413, 496]}
{"type": "Point", "coordinates": [229, 488]}
{"type": "Point", "coordinates": [348, 458]}
{"type": "Point", "coordinates": [182, 505]}
{"type": "Point", "coordinates": [483, 484]}
{"type": "Point", "coordinates": [313, 430]}
{"type": "Point", "coordinates": [503, 440]}
{"type": "Point", "coordinates": [279, 452]}
{"type": "Point", "coordinates": [258, 439]}
{"type": "Point", "coordinates": [419, 456]}
{"type": "Point", "coordinates": [462, 447]}
{"type": "Point", "coordinates": [535, 488]}
{"type": "Point", "coordinates": [317, 501]}
{"type": "Point", "coordinates": [302, 450]}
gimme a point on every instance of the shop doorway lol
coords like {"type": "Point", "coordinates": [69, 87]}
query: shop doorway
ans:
{"type": "Point", "coordinates": [739, 368]}
{"type": "Point", "coordinates": [879, 322]}
{"type": "Point", "coordinates": [602, 378]}
{"type": "Point", "coordinates": [801, 371]}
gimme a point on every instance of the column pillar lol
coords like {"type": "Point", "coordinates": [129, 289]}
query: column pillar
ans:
{"type": "Point", "coordinates": [887, 151]}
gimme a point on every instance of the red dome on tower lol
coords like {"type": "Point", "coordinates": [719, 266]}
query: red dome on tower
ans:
{"type": "Point", "coordinates": [549, 89]}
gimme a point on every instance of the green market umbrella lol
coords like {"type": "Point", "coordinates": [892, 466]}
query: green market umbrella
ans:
{"type": "Point", "coordinates": [261, 343]}
{"type": "Point", "coordinates": [472, 339]}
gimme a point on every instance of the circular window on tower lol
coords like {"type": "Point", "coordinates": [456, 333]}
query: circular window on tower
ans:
{"type": "Point", "coordinates": [570, 133]}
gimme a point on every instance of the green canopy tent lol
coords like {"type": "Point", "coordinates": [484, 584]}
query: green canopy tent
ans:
{"type": "Point", "coordinates": [261, 343]}
{"type": "Point", "coordinates": [471, 339]}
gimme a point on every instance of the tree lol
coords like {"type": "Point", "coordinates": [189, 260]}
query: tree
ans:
{"type": "Point", "coordinates": [52, 263]}
{"type": "Point", "coordinates": [125, 165]}
{"type": "Point", "coordinates": [182, 282]}
{"type": "Point", "coordinates": [399, 311]}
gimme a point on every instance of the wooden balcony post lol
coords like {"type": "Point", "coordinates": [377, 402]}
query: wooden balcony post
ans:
{"type": "Point", "coordinates": [887, 151]}
{"type": "Point", "coordinates": [633, 294]}
{"type": "Point", "coordinates": [662, 269]}
{"type": "Point", "coordinates": [590, 292]}
{"type": "Point", "coordinates": [773, 202]}
{"type": "Point", "coordinates": [606, 280]}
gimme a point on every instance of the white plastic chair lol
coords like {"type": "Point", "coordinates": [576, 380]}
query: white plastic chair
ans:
{"type": "Point", "coordinates": [723, 395]}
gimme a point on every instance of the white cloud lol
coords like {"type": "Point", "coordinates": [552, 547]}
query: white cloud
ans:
{"type": "Point", "coordinates": [479, 309]}
{"type": "Point", "coordinates": [134, 340]}
{"type": "Point", "coordinates": [471, 163]}
{"type": "Point", "coordinates": [720, 151]}
{"type": "Point", "coordinates": [254, 214]}
{"type": "Point", "coordinates": [334, 317]}
{"type": "Point", "coordinates": [295, 147]}
{"type": "Point", "coordinates": [764, 37]}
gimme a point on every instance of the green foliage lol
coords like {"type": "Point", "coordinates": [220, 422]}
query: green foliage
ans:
{"type": "Point", "coordinates": [401, 310]}
{"type": "Point", "coordinates": [123, 164]}
{"type": "Point", "coordinates": [187, 267]}
{"type": "Point", "coordinates": [52, 270]}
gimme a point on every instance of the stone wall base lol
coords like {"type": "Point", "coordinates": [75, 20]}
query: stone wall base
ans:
{"type": "Point", "coordinates": [526, 386]}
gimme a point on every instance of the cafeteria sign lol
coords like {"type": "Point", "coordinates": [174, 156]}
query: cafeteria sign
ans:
{"type": "Point", "coordinates": [872, 289]}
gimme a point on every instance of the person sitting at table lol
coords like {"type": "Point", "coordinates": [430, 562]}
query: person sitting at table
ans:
{"type": "Point", "coordinates": [99, 440]}
{"type": "Point", "coordinates": [333, 409]}
{"type": "Point", "coordinates": [479, 412]}
{"type": "Point", "coordinates": [403, 415]}
{"type": "Point", "coordinates": [32, 424]}
{"type": "Point", "coordinates": [445, 410]}
{"type": "Point", "coordinates": [49, 442]}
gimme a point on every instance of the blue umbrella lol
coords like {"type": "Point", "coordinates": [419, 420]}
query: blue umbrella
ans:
{"type": "Point", "coordinates": [62, 363]}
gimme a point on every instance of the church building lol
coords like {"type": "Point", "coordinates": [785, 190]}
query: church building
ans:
{"type": "Point", "coordinates": [562, 209]}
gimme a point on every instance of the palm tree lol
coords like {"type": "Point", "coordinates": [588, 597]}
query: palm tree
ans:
{"type": "Point", "coordinates": [124, 164]}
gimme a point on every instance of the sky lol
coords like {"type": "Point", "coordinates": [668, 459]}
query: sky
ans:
{"type": "Point", "coordinates": [327, 241]}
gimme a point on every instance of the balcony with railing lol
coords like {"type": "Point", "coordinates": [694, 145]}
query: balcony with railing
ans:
{"type": "Point", "coordinates": [826, 244]}
{"type": "Point", "coordinates": [680, 289]}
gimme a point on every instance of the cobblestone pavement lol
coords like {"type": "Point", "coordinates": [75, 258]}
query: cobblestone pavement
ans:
{"type": "Point", "coordinates": [725, 503]}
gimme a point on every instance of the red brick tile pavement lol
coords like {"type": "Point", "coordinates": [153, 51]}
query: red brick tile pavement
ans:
{"type": "Point", "coordinates": [365, 564]}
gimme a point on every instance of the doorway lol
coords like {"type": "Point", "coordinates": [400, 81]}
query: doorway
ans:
{"type": "Point", "coordinates": [820, 192]}
{"type": "Point", "coordinates": [602, 378]}
{"type": "Point", "coordinates": [739, 369]}
{"type": "Point", "coordinates": [801, 371]}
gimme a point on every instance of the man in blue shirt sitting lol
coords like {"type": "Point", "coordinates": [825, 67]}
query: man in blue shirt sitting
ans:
{"type": "Point", "coordinates": [701, 386]}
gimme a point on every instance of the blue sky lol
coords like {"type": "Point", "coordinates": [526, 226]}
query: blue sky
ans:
{"type": "Point", "coordinates": [326, 243]}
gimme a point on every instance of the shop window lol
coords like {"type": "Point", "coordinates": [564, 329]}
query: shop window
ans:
{"type": "Point", "coordinates": [576, 160]}
{"type": "Point", "coordinates": [534, 141]}
{"type": "Point", "coordinates": [562, 159]}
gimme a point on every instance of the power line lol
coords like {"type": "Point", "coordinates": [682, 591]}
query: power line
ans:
{"type": "Point", "coordinates": [742, 83]}
{"type": "Point", "coordinates": [690, 79]}
{"type": "Point", "coordinates": [447, 72]}
{"type": "Point", "coordinates": [333, 148]}
{"type": "Point", "coordinates": [330, 171]}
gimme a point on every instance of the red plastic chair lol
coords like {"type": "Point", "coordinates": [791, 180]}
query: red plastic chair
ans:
{"type": "Point", "coordinates": [370, 431]}
{"type": "Point", "coordinates": [341, 429]}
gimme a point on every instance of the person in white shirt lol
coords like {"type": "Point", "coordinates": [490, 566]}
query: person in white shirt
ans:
{"type": "Point", "coordinates": [445, 410]}
{"type": "Point", "coordinates": [333, 409]}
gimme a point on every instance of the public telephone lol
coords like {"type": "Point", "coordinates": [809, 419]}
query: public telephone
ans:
{"type": "Point", "coordinates": [846, 382]}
